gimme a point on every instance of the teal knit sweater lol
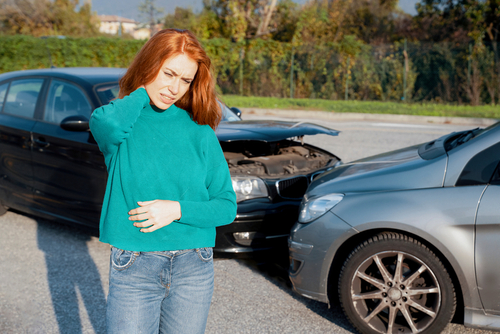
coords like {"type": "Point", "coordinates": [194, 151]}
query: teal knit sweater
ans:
{"type": "Point", "coordinates": [160, 154]}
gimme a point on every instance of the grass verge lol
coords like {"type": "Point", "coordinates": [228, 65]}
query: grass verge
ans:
{"type": "Point", "coordinates": [373, 107]}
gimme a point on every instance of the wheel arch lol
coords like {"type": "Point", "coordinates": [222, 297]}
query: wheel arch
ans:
{"type": "Point", "coordinates": [351, 243]}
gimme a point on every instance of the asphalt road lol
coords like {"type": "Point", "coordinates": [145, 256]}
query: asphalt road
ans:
{"type": "Point", "coordinates": [53, 278]}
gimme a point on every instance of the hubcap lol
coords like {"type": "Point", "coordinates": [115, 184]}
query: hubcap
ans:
{"type": "Point", "coordinates": [395, 292]}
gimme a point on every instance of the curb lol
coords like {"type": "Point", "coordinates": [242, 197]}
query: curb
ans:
{"type": "Point", "coordinates": [333, 116]}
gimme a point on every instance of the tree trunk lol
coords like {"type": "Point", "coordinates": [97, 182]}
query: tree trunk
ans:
{"type": "Point", "coordinates": [264, 22]}
{"type": "Point", "coordinates": [473, 84]}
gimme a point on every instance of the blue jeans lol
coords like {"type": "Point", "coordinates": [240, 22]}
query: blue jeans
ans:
{"type": "Point", "coordinates": [159, 292]}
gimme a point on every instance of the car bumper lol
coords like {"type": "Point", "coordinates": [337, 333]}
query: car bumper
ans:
{"type": "Point", "coordinates": [312, 248]}
{"type": "Point", "coordinates": [260, 227]}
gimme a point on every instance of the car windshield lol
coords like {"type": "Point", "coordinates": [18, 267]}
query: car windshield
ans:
{"type": "Point", "coordinates": [109, 92]}
{"type": "Point", "coordinates": [228, 115]}
{"type": "Point", "coordinates": [446, 143]}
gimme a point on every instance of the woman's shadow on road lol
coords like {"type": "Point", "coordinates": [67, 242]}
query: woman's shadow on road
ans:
{"type": "Point", "coordinates": [73, 278]}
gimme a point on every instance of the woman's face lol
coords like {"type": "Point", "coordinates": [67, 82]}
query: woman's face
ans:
{"type": "Point", "coordinates": [172, 82]}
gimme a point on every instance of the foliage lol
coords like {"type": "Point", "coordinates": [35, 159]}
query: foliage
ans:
{"type": "Point", "coordinates": [26, 52]}
{"type": "Point", "coordinates": [47, 18]}
{"type": "Point", "coordinates": [435, 72]}
{"type": "Point", "coordinates": [327, 49]}
{"type": "Point", "coordinates": [243, 19]}
{"type": "Point", "coordinates": [459, 21]}
{"type": "Point", "coordinates": [148, 9]}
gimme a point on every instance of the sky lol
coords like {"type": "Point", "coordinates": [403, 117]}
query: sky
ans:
{"type": "Point", "coordinates": [129, 8]}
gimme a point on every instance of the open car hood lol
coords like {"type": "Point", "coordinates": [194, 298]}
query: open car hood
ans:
{"type": "Point", "coordinates": [268, 131]}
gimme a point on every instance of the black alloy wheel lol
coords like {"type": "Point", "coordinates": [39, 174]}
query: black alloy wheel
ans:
{"type": "Point", "coordinates": [392, 283]}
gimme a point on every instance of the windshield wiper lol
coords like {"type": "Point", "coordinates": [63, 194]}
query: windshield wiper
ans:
{"type": "Point", "coordinates": [461, 138]}
{"type": "Point", "coordinates": [440, 146]}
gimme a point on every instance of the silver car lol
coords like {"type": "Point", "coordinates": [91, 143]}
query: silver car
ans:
{"type": "Point", "coordinates": [408, 240]}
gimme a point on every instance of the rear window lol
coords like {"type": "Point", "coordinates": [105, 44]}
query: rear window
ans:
{"type": "Point", "coordinates": [22, 97]}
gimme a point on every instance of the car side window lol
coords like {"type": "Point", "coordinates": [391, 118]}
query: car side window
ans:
{"type": "Point", "coordinates": [480, 169]}
{"type": "Point", "coordinates": [3, 90]}
{"type": "Point", "coordinates": [496, 176]}
{"type": "Point", "coordinates": [22, 97]}
{"type": "Point", "coordinates": [63, 100]}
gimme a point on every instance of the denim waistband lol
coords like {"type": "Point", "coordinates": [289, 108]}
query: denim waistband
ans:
{"type": "Point", "coordinates": [169, 253]}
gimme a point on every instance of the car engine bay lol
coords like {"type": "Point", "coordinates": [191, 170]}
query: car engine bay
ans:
{"type": "Point", "coordinates": [285, 157]}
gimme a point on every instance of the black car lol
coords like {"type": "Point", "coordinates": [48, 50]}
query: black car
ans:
{"type": "Point", "coordinates": [51, 166]}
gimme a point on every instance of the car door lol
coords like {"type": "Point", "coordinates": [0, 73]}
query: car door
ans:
{"type": "Point", "coordinates": [19, 101]}
{"type": "Point", "coordinates": [69, 171]}
{"type": "Point", "coordinates": [487, 247]}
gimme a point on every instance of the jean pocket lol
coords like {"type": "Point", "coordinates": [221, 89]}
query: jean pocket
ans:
{"type": "Point", "coordinates": [206, 254]}
{"type": "Point", "coordinates": [122, 259]}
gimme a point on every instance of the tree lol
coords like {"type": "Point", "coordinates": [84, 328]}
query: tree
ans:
{"type": "Point", "coordinates": [150, 11]}
{"type": "Point", "coordinates": [459, 21]}
{"type": "Point", "coordinates": [373, 22]}
{"type": "Point", "coordinates": [244, 19]}
{"type": "Point", "coordinates": [285, 21]}
{"type": "Point", "coordinates": [204, 25]}
{"type": "Point", "coordinates": [182, 18]}
{"type": "Point", "coordinates": [44, 17]}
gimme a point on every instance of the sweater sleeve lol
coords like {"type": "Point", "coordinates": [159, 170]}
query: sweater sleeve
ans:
{"type": "Point", "coordinates": [111, 124]}
{"type": "Point", "coordinates": [220, 209]}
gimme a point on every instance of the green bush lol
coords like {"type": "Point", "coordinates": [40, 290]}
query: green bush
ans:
{"type": "Point", "coordinates": [438, 73]}
{"type": "Point", "coordinates": [27, 52]}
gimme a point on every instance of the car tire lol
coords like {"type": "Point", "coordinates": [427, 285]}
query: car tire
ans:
{"type": "Point", "coordinates": [392, 283]}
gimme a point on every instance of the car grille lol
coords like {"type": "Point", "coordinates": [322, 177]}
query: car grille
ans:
{"type": "Point", "coordinates": [292, 188]}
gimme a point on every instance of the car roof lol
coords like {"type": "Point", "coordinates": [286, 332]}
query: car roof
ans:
{"type": "Point", "coordinates": [89, 75]}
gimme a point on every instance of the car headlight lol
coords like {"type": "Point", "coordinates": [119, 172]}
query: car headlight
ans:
{"type": "Point", "coordinates": [313, 208]}
{"type": "Point", "coordinates": [248, 187]}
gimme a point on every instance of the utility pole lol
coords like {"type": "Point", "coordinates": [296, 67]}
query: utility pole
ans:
{"type": "Point", "coordinates": [405, 53]}
{"type": "Point", "coordinates": [291, 74]}
{"type": "Point", "coordinates": [120, 24]}
{"type": "Point", "coordinates": [242, 55]}
{"type": "Point", "coordinates": [347, 79]}
{"type": "Point", "coordinates": [469, 64]}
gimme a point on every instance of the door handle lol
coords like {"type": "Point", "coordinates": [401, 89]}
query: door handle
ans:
{"type": "Point", "coordinates": [42, 143]}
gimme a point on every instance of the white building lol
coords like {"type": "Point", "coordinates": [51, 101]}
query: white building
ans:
{"type": "Point", "coordinates": [110, 24]}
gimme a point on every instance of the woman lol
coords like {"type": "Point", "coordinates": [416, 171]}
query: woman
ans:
{"type": "Point", "coordinates": [168, 188]}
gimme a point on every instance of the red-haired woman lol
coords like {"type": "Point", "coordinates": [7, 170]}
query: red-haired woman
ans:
{"type": "Point", "coordinates": [168, 188]}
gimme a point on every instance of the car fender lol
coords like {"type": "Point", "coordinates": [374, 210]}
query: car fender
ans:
{"type": "Point", "coordinates": [443, 218]}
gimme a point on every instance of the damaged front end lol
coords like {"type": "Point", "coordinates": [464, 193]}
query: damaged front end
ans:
{"type": "Point", "coordinates": [272, 155]}
{"type": "Point", "coordinates": [283, 158]}
{"type": "Point", "coordinates": [271, 168]}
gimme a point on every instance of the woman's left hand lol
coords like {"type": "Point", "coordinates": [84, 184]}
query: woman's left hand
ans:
{"type": "Point", "coordinates": [155, 214]}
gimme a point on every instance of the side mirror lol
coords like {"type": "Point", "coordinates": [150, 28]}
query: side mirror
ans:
{"type": "Point", "coordinates": [75, 123]}
{"type": "Point", "coordinates": [236, 111]}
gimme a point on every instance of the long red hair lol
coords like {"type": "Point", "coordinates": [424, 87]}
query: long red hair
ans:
{"type": "Point", "coordinates": [201, 99]}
